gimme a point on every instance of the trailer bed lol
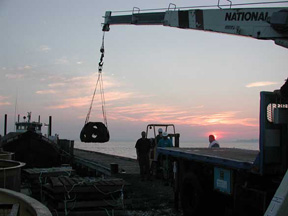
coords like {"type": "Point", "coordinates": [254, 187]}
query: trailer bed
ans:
{"type": "Point", "coordinates": [228, 157]}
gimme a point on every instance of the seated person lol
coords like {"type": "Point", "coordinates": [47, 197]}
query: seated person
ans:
{"type": "Point", "coordinates": [160, 135]}
{"type": "Point", "coordinates": [165, 142]}
{"type": "Point", "coordinates": [213, 143]}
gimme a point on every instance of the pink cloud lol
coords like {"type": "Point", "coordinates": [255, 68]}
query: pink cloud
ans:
{"type": "Point", "coordinates": [72, 102]}
{"type": "Point", "coordinates": [3, 101]}
{"type": "Point", "coordinates": [176, 115]}
{"type": "Point", "coordinates": [123, 106]}
{"type": "Point", "coordinates": [78, 86]}
{"type": "Point", "coordinates": [259, 84]}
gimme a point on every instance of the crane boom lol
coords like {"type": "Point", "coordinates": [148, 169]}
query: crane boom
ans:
{"type": "Point", "coordinates": [259, 23]}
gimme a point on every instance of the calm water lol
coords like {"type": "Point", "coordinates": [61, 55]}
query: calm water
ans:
{"type": "Point", "coordinates": [127, 148]}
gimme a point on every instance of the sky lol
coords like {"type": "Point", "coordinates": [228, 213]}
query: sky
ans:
{"type": "Point", "coordinates": [204, 83]}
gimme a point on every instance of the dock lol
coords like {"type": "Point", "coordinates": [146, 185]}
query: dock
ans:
{"type": "Point", "coordinates": [144, 195]}
{"type": "Point", "coordinates": [103, 162]}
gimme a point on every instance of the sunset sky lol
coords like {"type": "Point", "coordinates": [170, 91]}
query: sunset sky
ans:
{"type": "Point", "coordinates": [201, 82]}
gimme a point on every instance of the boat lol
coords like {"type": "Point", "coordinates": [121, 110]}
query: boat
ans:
{"type": "Point", "coordinates": [30, 146]}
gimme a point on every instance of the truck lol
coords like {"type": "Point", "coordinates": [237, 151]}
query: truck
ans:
{"type": "Point", "coordinates": [234, 181]}
{"type": "Point", "coordinates": [227, 181]}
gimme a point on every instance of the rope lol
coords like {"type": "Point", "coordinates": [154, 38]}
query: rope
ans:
{"type": "Point", "coordinates": [41, 184]}
{"type": "Point", "coordinates": [67, 201]}
{"type": "Point", "coordinates": [91, 104]}
{"type": "Point", "coordinates": [103, 101]}
{"type": "Point", "coordinates": [101, 87]}
{"type": "Point", "coordinates": [204, 6]}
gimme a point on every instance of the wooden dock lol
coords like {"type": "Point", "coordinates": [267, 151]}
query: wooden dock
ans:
{"type": "Point", "coordinates": [104, 161]}
{"type": "Point", "coordinates": [144, 195]}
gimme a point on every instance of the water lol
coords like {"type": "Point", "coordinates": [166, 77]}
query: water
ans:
{"type": "Point", "coordinates": [127, 148]}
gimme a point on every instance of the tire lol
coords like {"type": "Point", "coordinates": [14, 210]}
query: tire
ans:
{"type": "Point", "coordinates": [191, 194]}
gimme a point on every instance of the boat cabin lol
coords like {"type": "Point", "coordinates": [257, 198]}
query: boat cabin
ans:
{"type": "Point", "coordinates": [22, 127]}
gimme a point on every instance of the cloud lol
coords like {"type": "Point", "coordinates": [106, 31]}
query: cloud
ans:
{"type": "Point", "coordinates": [125, 105]}
{"type": "Point", "coordinates": [20, 72]}
{"type": "Point", "coordinates": [55, 85]}
{"type": "Point", "coordinates": [79, 86]}
{"type": "Point", "coordinates": [77, 91]}
{"type": "Point", "coordinates": [26, 67]}
{"type": "Point", "coordinates": [50, 91]}
{"type": "Point", "coordinates": [3, 97]}
{"type": "Point", "coordinates": [177, 115]}
{"type": "Point", "coordinates": [259, 84]}
{"type": "Point", "coordinates": [85, 101]}
{"type": "Point", "coordinates": [14, 76]}
{"type": "Point", "coordinates": [3, 101]}
{"type": "Point", "coordinates": [72, 102]}
{"type": "Point", "coordinates": [63, 61]}
{"type": "Point", "coordinates": [44, 48]}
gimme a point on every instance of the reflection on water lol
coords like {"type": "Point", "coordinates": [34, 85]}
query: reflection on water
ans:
{"type": "Point", "coordinates": [127, 149]}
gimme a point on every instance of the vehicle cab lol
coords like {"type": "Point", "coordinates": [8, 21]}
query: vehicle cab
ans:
{"type": "Point", "coordinates": [151, 134]}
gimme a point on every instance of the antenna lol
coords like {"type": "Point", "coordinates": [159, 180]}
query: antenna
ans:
{"type": "Point", "coordinates": [16, 109]}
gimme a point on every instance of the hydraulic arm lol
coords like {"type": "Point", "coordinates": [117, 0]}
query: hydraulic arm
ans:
{"type": "Point", "coordinates": [259, 23]}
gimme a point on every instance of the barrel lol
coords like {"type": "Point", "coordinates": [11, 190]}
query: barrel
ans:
{"type": "Point", "coordinates": [10, 174]}
{"type": "Point", "coordinates": [6, 155]}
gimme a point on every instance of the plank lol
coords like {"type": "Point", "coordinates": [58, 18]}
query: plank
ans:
{"type": "Point", "coordinates": [94, 204]}
{"type": "Point", "coordinates": [56, 182]}
{"type": "Point", "coordinates": [60, 185]}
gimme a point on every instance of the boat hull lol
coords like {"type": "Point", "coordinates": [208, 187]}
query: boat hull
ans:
{"type": "Point", "coordinates": [33, 149]}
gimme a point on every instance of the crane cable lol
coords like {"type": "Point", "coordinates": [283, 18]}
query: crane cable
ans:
{"type": "Point", "coordinates": [101, 87]}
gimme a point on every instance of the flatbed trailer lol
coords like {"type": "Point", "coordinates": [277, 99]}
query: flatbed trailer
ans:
{"type": "Point", "coordinates": [225, 179]}
{"type": "Point", "coordinates": [232, 158]}
{"type": "Point", "coordinates": [231, 181]}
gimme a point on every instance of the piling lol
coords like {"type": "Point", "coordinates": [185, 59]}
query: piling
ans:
{"type": "Point", "coordinates": [50, 126]}
{"type": "Point", "coordinates": [5, 125]}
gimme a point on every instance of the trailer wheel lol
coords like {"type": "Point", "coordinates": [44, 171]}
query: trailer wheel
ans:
{"type": "Point", "coordinates": [191, 195]}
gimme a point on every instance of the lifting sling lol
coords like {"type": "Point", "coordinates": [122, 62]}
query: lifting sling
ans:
{"type": "Point", "coordinates": [96, 131]}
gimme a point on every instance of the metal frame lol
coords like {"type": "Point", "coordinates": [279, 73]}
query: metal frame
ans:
{"type": "Point", "coordinates": [154, 126]}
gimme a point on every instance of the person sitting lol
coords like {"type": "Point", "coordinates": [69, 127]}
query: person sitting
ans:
{"type": "Point", "coordinates": [159, 136]}
{"type": "Point", "coordinates": [165, 142]}
{"type": "Point", "coordinates": [213, 143]}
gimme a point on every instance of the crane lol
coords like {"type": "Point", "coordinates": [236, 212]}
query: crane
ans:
{"type": "Point", "coordinates": [195, 184]}
{"type": "Point", "coordinates": [259, 23]}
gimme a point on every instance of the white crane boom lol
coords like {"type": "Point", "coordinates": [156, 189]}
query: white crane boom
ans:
{"type": "Point", "coordinates": [259, 23]}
